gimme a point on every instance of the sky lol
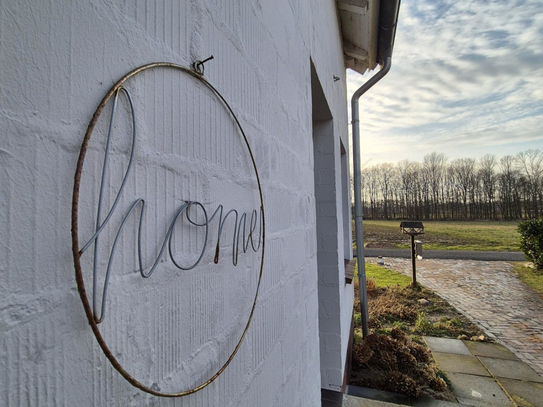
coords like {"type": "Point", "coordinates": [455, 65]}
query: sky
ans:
{"type": "Point", "coordinates": [466, 80]}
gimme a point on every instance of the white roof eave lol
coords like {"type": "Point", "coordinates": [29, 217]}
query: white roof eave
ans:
{"type": "Point", "coordinates": [359, 20]}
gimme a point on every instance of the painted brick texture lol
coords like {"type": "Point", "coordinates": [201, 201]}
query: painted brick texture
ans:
{"type": "Point", "coordinates": [58, 60]}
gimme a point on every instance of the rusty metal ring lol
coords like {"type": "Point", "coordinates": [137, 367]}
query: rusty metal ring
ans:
{"type": "Point", "coordinates": [75, 236]}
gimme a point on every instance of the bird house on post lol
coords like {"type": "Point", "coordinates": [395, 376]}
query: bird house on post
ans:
{"type": "Point", "coordinates": [413, 229]}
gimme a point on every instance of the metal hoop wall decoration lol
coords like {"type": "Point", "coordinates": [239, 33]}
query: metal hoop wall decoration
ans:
{"type": "Point", "coordinates": [91, 312]}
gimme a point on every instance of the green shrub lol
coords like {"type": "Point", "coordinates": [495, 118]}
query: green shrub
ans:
{"type": "Point", "coordinates": [531, 241]}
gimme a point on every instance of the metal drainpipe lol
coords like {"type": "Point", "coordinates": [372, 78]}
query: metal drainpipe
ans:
{"type": "Point", "coordinates": [357, 192]}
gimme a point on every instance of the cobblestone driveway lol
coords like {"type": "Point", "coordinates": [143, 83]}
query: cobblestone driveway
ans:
{"type": "Point", "coordinates": [489, 294]}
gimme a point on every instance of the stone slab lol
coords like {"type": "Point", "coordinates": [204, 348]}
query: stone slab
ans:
{"type": "Point", "coordinates": [491, 350]}
{"type": "Point", "coordinates": [478, 403]}
{"type": "Point", "coordinates": [379, 395]}
{"type": "Point", "coordinates": [477, 390]}
{"type": "Point", "coordinates": [445, 345]}
{"type": "Point", "coordinates": [511, 369]}
{"type": "Point", "coordinates": [428, 402]}
{"type": "Point", "coordinates": [352, 401]}
{"type": "Point", "coordinates": [330, 403]}
{"type": "Point", "coordinates": [450, 362]}
{"type": "Point", "coordinates": [331, 398]}
{"type": "Point", "coordinates": [525, 394]}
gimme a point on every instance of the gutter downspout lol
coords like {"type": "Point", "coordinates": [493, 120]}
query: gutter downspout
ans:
{"type": "Point", "coordinates": [388, 18]}
{"type": "Point", "coordinates": [357, 193]}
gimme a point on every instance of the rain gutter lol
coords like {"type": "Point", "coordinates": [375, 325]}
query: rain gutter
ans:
{"type": "Point", "coordinates": [388, 17]}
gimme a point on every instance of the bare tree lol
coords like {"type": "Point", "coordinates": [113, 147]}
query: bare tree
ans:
{"type": "Point", "coordinates": [385, 173]}
{"type": "Point", "coordinates": [464, 178]}
{"type": "Point", "coordinates": [370, 176]}
{"type": "Point", "coordinates": [406, 174]}
{"type": "Point", "coordinates": [511, 188]}
{"type": "Point", "coordinates": [508, 179]}
{"type": "Point", "coordinates": [487, 176]}
{"type": "Point", "coordinates": [434, 165]}
{"type": "Point", "coordinates": [531, 163]}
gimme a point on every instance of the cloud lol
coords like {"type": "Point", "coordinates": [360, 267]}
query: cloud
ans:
{"type": "Point", "coordinates": [465, 77]}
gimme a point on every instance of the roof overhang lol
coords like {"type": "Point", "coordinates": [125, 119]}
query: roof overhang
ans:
{"type": "Point", "coordinates": [359, 21]}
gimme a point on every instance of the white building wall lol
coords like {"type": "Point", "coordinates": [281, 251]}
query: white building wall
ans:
{"type": "Point", "coordinates": [326, 52]}
{"type": "Point", "coordinates": [58, 59]}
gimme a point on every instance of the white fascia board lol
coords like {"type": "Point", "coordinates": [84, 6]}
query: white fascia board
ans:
{"type": "Point", "coordinates": [359, 21]}
{"type": "Point", "coordinates": [351, 8]}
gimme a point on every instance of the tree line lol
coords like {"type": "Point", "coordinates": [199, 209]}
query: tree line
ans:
{"type": "Point", "coordinates": [509, 188]}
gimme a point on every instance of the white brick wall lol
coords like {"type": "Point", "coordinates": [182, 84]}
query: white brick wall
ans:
{"type": "Point", "coordinates": [58, 59]}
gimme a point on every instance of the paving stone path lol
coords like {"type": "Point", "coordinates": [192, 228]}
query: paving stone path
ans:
{"type": "Point", "coordinates": [489, 294]}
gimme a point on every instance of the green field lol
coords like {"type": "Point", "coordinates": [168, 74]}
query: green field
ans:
{"type": "Point", "coordinates": [446, 235]}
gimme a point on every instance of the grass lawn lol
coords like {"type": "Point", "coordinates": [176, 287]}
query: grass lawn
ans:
{"type": "Point", "coordinates": [385, 278]}
{"type": "Point", "coordinates": [446, 235]}
{"type": "Point", "coordinates": [530, 276]}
